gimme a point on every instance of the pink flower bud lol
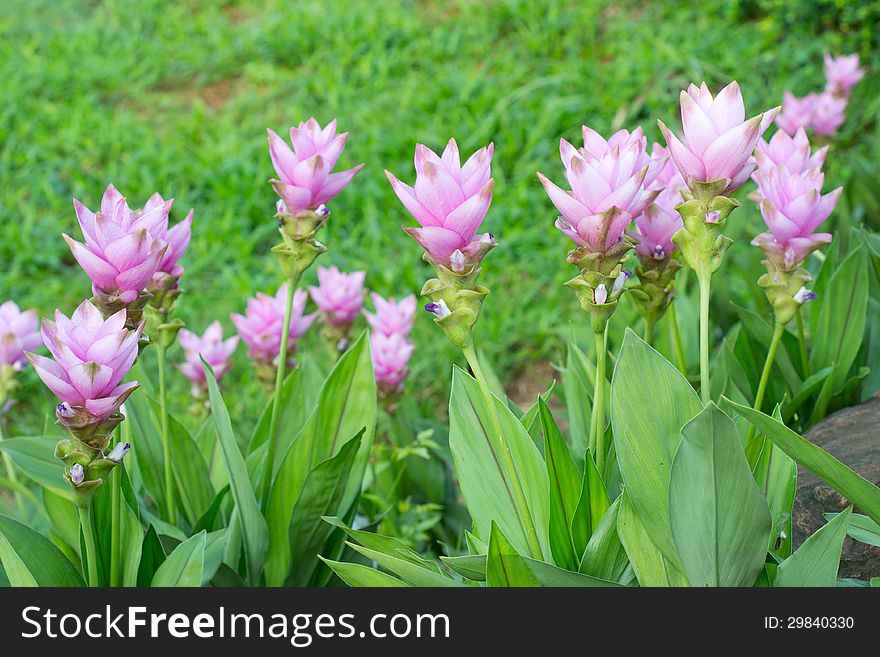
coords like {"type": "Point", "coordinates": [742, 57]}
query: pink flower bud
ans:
{"type": "Point", "coordinates": [608, 180]}
{"type": "Point", "coordinates": [842, 74]}
{"type": "Point", "coordinates": [392, 316]}
{"type": "Point", "coordinates": [262, 324]}
{"type": "Point", "coordinates": [717, 139]}
{"type": "Point", "coordinates": [177, 239]}
{"type": "Point", "coordinates": [123, 249]}
{"type": "Point", "coordinates": [791, 152]}
{"type": "Point", "coordinates": [92, 356]}
{"type": "Point", "coordinates": [390, 354]}
{"type": "Point", "coordinates": [656, 225]}
{"type": "Point", "coordinates": [339, 296]}
{"type": "Point", "coordinates": [305, 181]}
{"type": "Point", "coordinates": [450, 201]}
{"type": "Point", "coordinates": [212, 347]}
{"type": "Point", "coordinates": [828, 114]}
{"type": "Point", "coordinates": [19, 332]}
{"type": "Point", "coordinates": [797, 113]}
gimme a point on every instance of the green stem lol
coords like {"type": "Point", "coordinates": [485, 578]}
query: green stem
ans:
{"type": "Point", "coordinates": [649, 330]}
{"type": "Point", "coordinates": [116, 514]}
{"type": "Point", "coordinates": [170, 506]}
{"type": "Point", "coordinates": [802, 339]}
{"type": "Point", "coordinates": [525, 514]}
{"type": "Point", "coordinates": [272, 439]}
{"type": "Point", "coordinates": [598, 418]}
{"type": "Point", "coordinates": [85, 522]}
{"type": "Point", "coordinates": [704, 276]}
{"type": "Point", "coordinates": [676, 339]}
{"type": "Point", "coordinates": [765, 374]}
{"type": "Point", "coordinates": [10, 472]}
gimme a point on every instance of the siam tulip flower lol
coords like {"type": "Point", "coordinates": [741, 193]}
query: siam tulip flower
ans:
{"type": "Point", "coordinates": [19, 333]}
{"type": "Point", "coordinates": [122, 251]}
{"type": "Point", "coordinates": [91, 357]}
{"type": "Point", "coordinates": [212, 347]}
{"type": "Point", "coordinates": [450, 201]}
{"type": "Point", "coordinates": [797, 113]}
{"type": "Point", "coordinates": [791, 152]}
{"type": "Point", "coordinates": [842, 74]}
{"type": "Point", "coordinates": [793, 207]}
{"type": "Point", "coordinates": [608, 180]}
{"type": "Point", "coordinates": [262, 325]}
{"type": "Point", "coordinates": [828, 114]}
{"type": "Point", "coordinates": [177, 238]}
{"type": "Point", "coordinates": [392, 316]}
{"type": "Point", "coordinates": [390, 354]}
{"type": "Point", "coordinates": [339, 296]}
{"type": "Point", "coordinates": [656, 225]}
{"type": "Point", "coordinates": [717, 140]}
{"type": "Point", "coordinates": [305, 181]}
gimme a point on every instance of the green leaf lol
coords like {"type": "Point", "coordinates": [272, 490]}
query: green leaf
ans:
{"type": "Point", "coordinates": [776, 474]}
{"type": "Point", "coordinates": [592, 505]}
{"type": "Point", "coordinates": [565, 490]}
{"type": "Point", "coordinates": [30, 559]}
{"type": "Point", "coordinates": [815, 563]}
{"type": "Point", "coordinates": [507, 568]}
{"type": "Point", "coordinates": [386, 544]}
{"type": "Point", "coordinates": [152, 556]}
{"type": "Point", "coordinates": [578, 382]}
{"type": "Point", "coordinates": [647, 425]}
{"type": "Point", "coordinates": [854, 487]}
{"type": "Point", "coordinates": [147, 461]}
{"type": "Point", "coordinates": [129, 525]}
{"type": "Point", "coordinates": [356, 575]}
{"type": "Point", "coordinates": [321, 496]}
{"type": "Point", "coordinates": [487, 484]}
{"type": "Point", "coordinates": [648, 563]}
{"type": "Point", "coordinates": [35, 456]}
{"type": "Point", "coordinates": [841, 317]}
{"type": "Point", "coordinates": [254, 532]}
{"type": "Point", "coordinates": [470, 566]}
{"type": "Point", "coordinates": [761, 331]}
{"type": "Point", "coordinates": [720, 520]}
{"type": "Point", "coordinates": [412, 574]}
{"type": "Point", "coordinates": [209, 517]}
{"type": "Point", "coordinates": [861, 528]}
{"type": "Point", "coordinates": [185, 565]}
{"type": "Point", "coordinates": [604, 556]}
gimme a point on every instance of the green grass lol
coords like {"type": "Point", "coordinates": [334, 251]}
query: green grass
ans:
{"type": "Point", "coordinates": [176, 96]}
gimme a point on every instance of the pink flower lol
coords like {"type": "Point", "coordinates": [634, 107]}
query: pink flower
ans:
{"type": "Point", "coordinates": [177, 239]}
{"type": "Point", "coordinates": [392, 316]}
{"type": "Point", "coordinates": [607, 181]}
{"type": "Point", "coordinates": [717, 140]}
{"type": "Point", "coordinates": [828, 114]}
{"type": "Point", "coordinates": [390, 354]}
{"type": "Point", "coordinates": [305, 181]}
{"type": "Point", "coordinates": [450, 201]}
{"type": "Point", "coordinates": [797, 113]}
{"type": "Point", "coordinates": [121, 251]}
{"type": "Point", "coordinates": [793, 207]}
{"type": "Point", "coordinates": [212, 347]}
{"type": "Point", "coordinates": [842, 74]}
{"type": "Point", "coordinates": [791, 152]}
{"type": "Point", "coordinates": [19, 332]}
{"type": "Point", "coordinates": [656, 225]}
{"type": "Point", "coordinates": [339, 296]}
{"type": "Point", "coordinates": [262, 324]}
{"type": "Point", "coordinates": [92, 356]}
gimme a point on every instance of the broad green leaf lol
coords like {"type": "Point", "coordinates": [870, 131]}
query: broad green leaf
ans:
{"type": "Point", "coordinates": [321, 496]}
{"type": "Point", "coordinates": [854, 487]}
{"type": "Point", "coordinates": [65, 519]}
{"type": "Point", "coordinates": [578, 382]}
{"type": "Point", "coordinates": [776, 474]}
{"type": "Point", "coordinates": [209, 517]}
{"type": "Point", "coordinates": [815, 563]}
{"type": "Point", "coordinates": [147, 460]}
{"type": "Point", "coordinates": [35, 456]}
{"type": "Point", "coordinates": [254, 532]}
{"type": "Point", "coordinates": [647, 424]}
{"type": "Point", "coordinates": [185, 565]}
{"type": "Point", "coordinates": [30, 559]}
{"type": "Point", "coordinates": [152, 556]}
{"type": "Point", "coordinates": [565, 490]}
{"type": "Point", "coordinates": [719, 518]}
{"type": "Point", "coordinates": [808, 388]}
{"type": "Point", "coordinates": [861, 528]}
{"type": "Point", "coordinates": [604, 556]}
{"type": "Point", "coordinates": [592, 505]}
{"type": "Point", "coordinates": [472, 567]}
{"type": "Point", "coordinates": [386, 544]}
{"type": "Point", "coordinates": [492, 379]}
{"type": "Point", "coordinates": [648, 563]}
{"type": "Point", "coordinates": [507, 568]}
{"type": "Point", "coordinates": [840, 316]}
{"type": "Point", "coordinates": [412, 574]}
{"type": "Point", "coordinates": [128, 525]}
{"type": "Point", "coordinates": [356, 575]}
{"type": "Point", "coordinates": [490, 486]}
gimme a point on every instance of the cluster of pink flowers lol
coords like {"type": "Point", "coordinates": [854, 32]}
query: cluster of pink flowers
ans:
{"type": "Point", "coordinates": [790, 179]}
{"type": "Point", "coordinates": [655, 226]}
{"type": "Point", "coordinates": [339, 296]}
{"type": "Point", "coordinates": [390, 347]}
{"type": "Point", "coordinates": [823, 113]}
{"type": "Point", "coordinates": [212, 347]}
{"type": "Point", "coordinates": [19, 333]}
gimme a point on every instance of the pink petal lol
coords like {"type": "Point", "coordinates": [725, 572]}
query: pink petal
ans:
{"type": "Point", "coordinates": [407, 196]}
{"type": "Point", "coordinates": [568, 206]}
{"type": "Point", "coordinates": [467, 217]}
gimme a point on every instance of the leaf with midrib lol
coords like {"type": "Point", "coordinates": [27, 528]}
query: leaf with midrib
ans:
{"type": "Point", "coordinates": [815, 563]}
{"type": "Point", "coordinates": [185, 565]}
{"type": "Point", "coordinates": [30, 559]}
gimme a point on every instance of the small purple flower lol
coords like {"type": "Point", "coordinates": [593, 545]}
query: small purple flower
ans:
{"type": "Point", "coordinates": [77, 474]}
{"type": "Point", "coordinates": [118, 452]}
{"type": "Point", "coordinates": [600, 294]}
{"type": "Point", "coordinates": [803, 295]}
{"type": "Point", "coordinates": [439, 309]}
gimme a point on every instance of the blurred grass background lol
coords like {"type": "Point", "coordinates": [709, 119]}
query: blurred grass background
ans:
{"type": "Point", "coordinates": [176, 97]}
